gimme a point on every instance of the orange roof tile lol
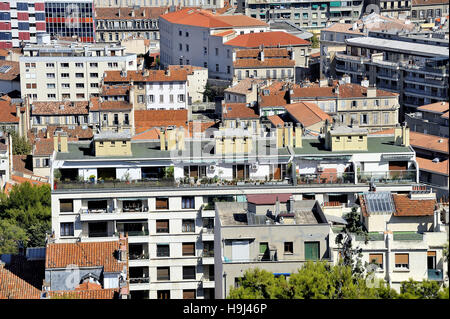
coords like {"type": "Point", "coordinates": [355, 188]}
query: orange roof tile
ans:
{"type": "Point", "coordinates": [43, 147]}
{"type": "Point", "coordinates": [267, 63]}
{"type": "Point", "coordinates": [145, 76]}
{"type": "Point", "coordinates": [111, 293]}
{"type": "Point", "coordinates": [112, 90]}
{"type": "Point", "coordinates": [307, 113]}
{"type": "Point", "coordinates": [84, 254]}
{"type": "Point", "coordinates": [20, 163]}
{"type": "Point", "coordinates": [59, 108]}
{"type": "Point", "coordinates": [147, 134]}
{"type": "Point", "coordinates": [268, 39]}
{"type": "Point", "coordinates": [13, 287]}
{"type": "Point", "coordinates": [430, 166]}
{"type": "Point", "coordinates": [224, 33]}
{"type": "Point", "coordinates": [88, 286]}
{"type": "Point", "coordinates": [238, 111]}
{"type": "Point", "coordinates": [438, 107]}
{"type": "Point", "coordinates": [13, 73]}
{"type": "Point", "coordinates": [146, 119]}
{"type": "Point", "coordinates": [96, 105]}
{"type": "Point", "coordinates": [275, 120]}
{"type": "Point", "coordinates": [8, 112]}
{"type": "Point", "coordinates": [20, 180]}
{"type": "Point", "coordinates": [124, 13]}
{"type": "Point", "coordinates": [430, 142]}
{"type": "Point", "coordinates": [404, 206]}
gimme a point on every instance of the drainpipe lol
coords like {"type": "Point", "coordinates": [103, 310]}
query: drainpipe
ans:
{"type": "Point", "coordinates": [388, 237]}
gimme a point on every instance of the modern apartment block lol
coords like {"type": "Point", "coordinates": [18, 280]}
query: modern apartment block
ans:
{"type": "Point", "coordinates": [68, 70]}
{"type": "Point", "coordinates": [430, 119]}
{"type": "Point", "coordinates": [116, 24]}
{"type": "Point", "coordinates": [161, 193]}
{"type": "Point", "coordinates": [274, 232]}
{"type": "Point", "coordinates": [429, 10]}
{"type": "Point", "coordinates": [396, 9]}
{"type": "Point", "coordinates": [307, 14]}
{"type": "Point", "coordinates": [20, 22]}
{"type": "Point", "coordinates": [418, 72]}
{"type": "Point", "coordinates": [68, 19]}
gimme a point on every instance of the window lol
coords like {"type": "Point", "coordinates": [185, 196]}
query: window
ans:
{"type": "Point", "coordinates": [79, 75]}
{"type": "Point", "coordinates": [65, 85]}
{"type": "Point", "coordinates": [188, 272]}
{"type": "Point", "coordinates": [188, 226]}
{"type": "Point", "coordinates": [263, 247]}
{"type": "Point", "coordinates": [80, 95]}
{"type": "Point", "coordinates": [162, 251]}
{"type": "Point", "coordinates": [161, 98]}
{"type": "Point", "coordinates": [50, 65]}
{"type": "Point", "coordinates": [288, 247]}
{"type": "Point", "coordinates": [50, 75]}
{"type": "Point", "coordinates": [79, 65]}
{"type": "Point", "coordinates": [312, 250]}
{"type": "Point", "coordinates": [163, 273]}
{"type": "Point", "coordinates": [386, 118]}
{"type": "Point", "coordinates": [162, 226]}
{"type": "Point", "coordinates": [51, 96]}
{"type": "Point", "coordinates": [180, 97]}
{"type": "Point", "coordinates": [93, 65]}
{"type": "Point", "coordinates": [94, 85]}
{"type": "Point", "coordinates": [162, 203]}
{"type": "Point", "coordinates": [181, 46]}
{"type": "Point", "coordinates": [93, 75]}
{"type": "Point", "coordinates": [80, 85]}
{"type": "Point", "coordinates": [126, 120]}
{"type": "Point", "coordinates": [187, 47]}
{"type": "Point", "coordinates": [163, 294]}
{"type": "Point", "coordinates": [188, 202]}
{"type": "Point", "coordinates": [171, 98]}
{"type": "Point", "coordinates": [65, 96]}
{"type": "Point", "coordinates": [402, 261]}
{"type": "Point", "coordinates": [189, 294]}
{"type": "Point", "coordinates": [66, 229]}
{"type": "Point", "coordinates": [376, 259]}
{"type": "Point", "coordinates": [64, 65]}
{"type": "Point", "coordinates": [66, 205]}
{"type": "Point", "coordinates": [151, 98]}
{"type": "Point", "coordinates": [188, 249]}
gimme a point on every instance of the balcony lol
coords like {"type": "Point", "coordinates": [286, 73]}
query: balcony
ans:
{"type": "Point", "coordinates": [326, 178]}
{"type": "Point", "coordinates": [207, 234]}
{"type": "Point", "coordinates": [390, 177]}
{"type": "Point", "coordinates": [208, 257]}
{"type": "Point", "coordinates": [115, 184]}
{"type": "Point", "coordinates": [140, 283]}
{"type": "Point", "coordinates": [435, 274]}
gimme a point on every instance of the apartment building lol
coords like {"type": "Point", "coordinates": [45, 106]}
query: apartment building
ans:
{"type": "Point", "coordinates": [71, 19]}
{"type": "Point", "coordinates": [21, 22]}
{"type": "Point", "coordinates": [68, 70]}
{"type": "Point", "coordinates": [307, 14]}
{"type": "Point", "coordinates": [418, 72]}
{"type": "Point", "coordinates": [197, 77]}
{"type": "Point", "coordinates": [406, 237]}
{"type": "Point", "coordinates": [187, 37]}
{"type": "Point", "coordinates": [332, 38]}
{"type": "Point", "coordinates": [396, 9]}
{"type": "Point", "coordinates": [244, 91]}
{"type": "Point", "coordinates": [116, 24]}
{"type": "Point", "coordinates": [273, 232]}
{"type": "Point", "coordinates": [162, 192]}
{"type": "Point", "coordinates": [429, 10]}
{"type": "Point", "coordinates": [5, 154]}
{"type": "Point", "coordinates": [153, 89]}
{"type": "Point", "coordinates": [430, 119]}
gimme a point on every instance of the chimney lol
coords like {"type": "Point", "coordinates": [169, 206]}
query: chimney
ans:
{"type": "Point", "coordinates": [162, 139]}
{"type": "Point", "coordinates": [277, 207]}
{"type": "Point", "coordinates": [180, 138]}
{"type": "Point", "coordinates": [279, 136]}
{"type": "Point", "coordinates": [298, 135]}
{"type": "Point", "coordinates": [291, 204]}
{"type": "Point", "coordinates": [262, 55]}
{"type": "Point", "coordinates": [405, 134]}
{"type": "Point", "coordinates": [371, 91]}
{"type": "Point", "coordinates": [437, 220]}
{"type": "Point", "coordinates": [171, 139]}
{"type": "Point", "coordinates": [398, 135]}
{"type": "Point", "coordinates": [288, 141]}
{"type": "Point", "coordinates": [60, 142]}
{"type": "Point", "coordinates": [234, 56]}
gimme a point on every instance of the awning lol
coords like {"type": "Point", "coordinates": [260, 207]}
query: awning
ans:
{"type": "Point", "coordinates": [315, 6]}
{"type": "Point", "coordinates": [335, 4]}
{"type": "Point", "coordinates": [323, 5]}
{"type": "Point", "coordinates": [131, 198]}
{"type": "Point", "coordinates": [282, 274]}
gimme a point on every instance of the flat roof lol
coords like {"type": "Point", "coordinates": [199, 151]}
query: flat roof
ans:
{"type": "Point", "coordinates": [404, 46]}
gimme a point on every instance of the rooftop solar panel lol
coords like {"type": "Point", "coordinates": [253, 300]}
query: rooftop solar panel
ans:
{"type": "Point", "coordinates": [379, 202]}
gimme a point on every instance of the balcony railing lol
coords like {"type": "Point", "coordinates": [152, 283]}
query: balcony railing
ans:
{"type": "Point", "coordinates": [137, 233]}
{"type": "Point", "coordinates": [143, 256]}
{"type": "Point", "coordinates": [435, 274]}
{"type": "Point", "coordinates": [326, 178]}
{"type": "Point", "coordinates": [116, 184]}
{"type": "Point", "coordinates": [208, 253]}
{"type": "Point", "coordinates": [391, 177]}
{"type": "Point", "coordinates": [140, 280]}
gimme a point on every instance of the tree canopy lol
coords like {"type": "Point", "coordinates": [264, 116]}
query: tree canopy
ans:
{"type": "Point", "coordinates": [26, 216]}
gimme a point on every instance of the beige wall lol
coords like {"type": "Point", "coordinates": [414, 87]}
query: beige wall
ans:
{"type": "Point", "coordinates": [112, 148]}
{"type": "Point", "coordinates": [348, 142]}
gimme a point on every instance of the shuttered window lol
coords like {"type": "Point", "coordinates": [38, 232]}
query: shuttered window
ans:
{"type": "Point", "coordinates": [188, 249]}
{"type": "Point", "coordinates": [189, 294]}
{"type": "Point", "coordinates": [163, 273]}
{"type": "Point", "coordinates": [402, 261]}
{"type": "Point", "coordinates": [162, 203]}
{"type": "Point", "coordinates": [376, 259]}
{"type": "Point", "coordinates": [66, 205]}
{"type": "Point", "coordinates": [312, 250]}
{"type": "Point", "coordinates": [188, 272]}
{"type": "Point", "coordinates": [162, 226]}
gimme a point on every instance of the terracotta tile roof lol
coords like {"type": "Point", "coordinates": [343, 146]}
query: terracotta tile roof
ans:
{"type": "Point", "coordinates": [23, 164]}
{"type": "Point", "coordinates": [188, 68]}
{"type": "Point", "coordinates": [88, 286]}
{"type": "Point", "coordinates": [59, 108]}
{"type": "Point", "coordinates": [146, 119]}
{"type": "Point", "coordinates": [428, 2]}
{"type": "Point", "coordinates": [113, 90]}
{"type": "Point", "coordinates": [147, 134]}
{"type": "Point", "coordinates": [111, 293]}
{"type": "Point", "coordinates": [267, 63]}
{"type": "Point", "coordinates": [238, 111]}
{"type": "Point", "coordinates": [315, 55]}
{"type": "Point", "coordinates": [275, 120]}
{"type": "Point", "coordinates": [307, 113]}
{"type": "Point", "coordinates": [13, 73]}
{"type": "Point", "coordinates": [438, 107]}
{"type": "Point", "coordinates": [430, 142]}
{"type": "Point", "coordinates": [254, 53]}
{"type": "Point", "coordinates": [348, 90]}
{"type": "Point", "coordinates": [43, 147]}
{"type": "Point", "coordinates": [206, 19]}
{"type": "Point", "coordinates": [31, 271]}
{"type": "Point", "coordinates": [76, 133]}
{"type": "Point", "coordinates": [268, 39]}
{"type": "Point", "coordinates": [124, 13]}
{"type": "Point", "coordinates": [267, 199]}
{"type": "Point", "coordinates": [224, 33]}
{"type": "Point", "coordinates": [445, 115]}
{"type": "Point", "coordinates": [244, 86]}
{"type": "Point", "coordinates": [202, 126]}
{"type": "Point", "coordinates": [142, 76]}
{"type": "Point", "coordinates": [96, 105]}
{"type": "Point", "coordinates": [342, 28]}
{"type": "Point", "coordinates": [4, 52]}
{"type": "Point", "coordinates": [430, 166]}
{"type": "Point", "coordinates": [274, 99]}
{"type": "Point", "coordinates": [404, 206]}
{"type": "Point", "coordinates": [84, 254]}
{"type": "Point", "coordinates": [19, 180]}
{"type": "Point", "coordinates": [8, 112]}
{"type": "Point", "coordinates": [13, 287]}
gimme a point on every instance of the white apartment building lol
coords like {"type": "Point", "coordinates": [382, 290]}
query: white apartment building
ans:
{"type": "Point", "coordinates": [190, 36]}
{"type": "Point", "coordinates": [153, 89]}
{"type": "Point", "coordinates": [161, 193]}
{"type": "Point", "coordinates": [69, 70]}
{"type": "Point", "coordinates": [157, 3]}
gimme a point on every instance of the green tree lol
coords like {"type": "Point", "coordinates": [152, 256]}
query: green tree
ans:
{"type": "Point", "coordinates": [10, 235]}
{"type": "Point", "coordinates": [412, 289]}
{"type": "Point", "coordinates": [315, 43]}
{"type": "Point", "coordinates": [20, 144]}
{"type": "Point", "coordinates": [312, 281]}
